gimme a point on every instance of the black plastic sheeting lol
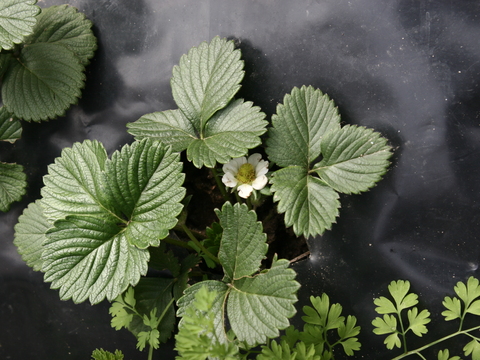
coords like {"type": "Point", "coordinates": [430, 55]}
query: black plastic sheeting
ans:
{"type": "Point", "coordinates": [410, 69]}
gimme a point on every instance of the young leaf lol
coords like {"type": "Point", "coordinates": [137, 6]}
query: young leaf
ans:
{"type": "Point", "coordinates": [304, 353]}
{"type": "Point", "coordinates": [301, 122]}
{"type": "Point", "coordinates": [277, 352]}
{"type": "Point", "coordinates": [309, 205]}
{"type": "Point", "coordinates": [399, 291]}
{"type": "Point", "coordinates": [468, 292]}
{"type": "Point", "coordinates": [385, 325]}
{"type": "Point", "coordinates": [322, 313]}
{"type": "Point", "coordinates": [43, 82]}
{"type": "Point", "coordinates": [454, 308]}
{"type": "Point", "coordinates": [10, 128]}
{"type": "Point", "coordinates": [66, 26]}
{"type": "Point", "coordinates": [91, 258]}
{"type": "Point", "coordinates": [243, 245]}
{"type": "Point", "coordinates": [252, 298]}
{"type": "Point", "coordinates": [417, 321]}
{"type": "Point", "coordinates": [445, 355]}
{"type": "Point", "coordinates": [384, 306]}
{"type": "Point", "coordinates": [13, 183]}
{"type": "Point", "coordinates": [17, 20]}
{"type": "Point", "coordinates": [350, 345]}
{"type": "Point", "coordinates": [473, 348]}
{"type": "Point", "coordinates": [100, 354]}
{"type": "Point", "coordinates": [30, 235]}
{"type": "Point", "coordinates": [206, 79]}
{"type": "Point", "coordinates": [349, 329]}
{"type": "Point", "coordinates": [354, 159]}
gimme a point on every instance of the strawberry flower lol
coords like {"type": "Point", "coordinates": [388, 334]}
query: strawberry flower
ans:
{"type": "Point", "coordinates": [246, 174]}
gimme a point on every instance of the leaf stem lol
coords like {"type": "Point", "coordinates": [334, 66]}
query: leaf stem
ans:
{"type": "Point", "coordinates": [417, 351]}
{"type": "Point", "coordinates": [220, 185]}
{"type": "Point", "coordinates": [176, 242]}
{"type": "Point", "coordinates": [399, 313]}
{"type": "Point", "coordinates": [150, 352]}
{"type": "Point", "coordinates": [199, 244]}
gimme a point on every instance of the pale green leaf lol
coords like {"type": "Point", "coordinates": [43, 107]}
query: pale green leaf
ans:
{"type": "Point", "coordinates": [206, 79]}
{"type": "Point", "coordinates": [17, 20]}
{"type": "Point", "coordinates": [323, 314]}
{"type": "Point", "coordinates": [13, 183]}
{"type": "Point", "coordinates": [277, 352]}
{"type": "Point", "coordinates": [258, 307]}
{"type": "Point", "coordinates": [43, 82]}
{"type": "Point", "coordinates": [392, 341]}
{"type": "Point", "coordinates": [399, 291]}
{"type": "Point", "coordinates": [474, 308]}
{"type": "Point", "coordinates": [473, 348]}
{"type": "Point", "coordinates": [350, 345]}
{"type": "Point", "coordinates": [306, 353]}
{"type": "Point", "coordinates": [100, 354]}
{"type": "Point", "coordinates": [468, 292]}
{"type": "Point", "coordinates": [243, 245]}
{"type": "Point", "coordinates": [418, 321]}
{"type": "Point", "coordinates": [66, 26]}
{"type": "Point", "coordinates": [89, 257]}
{"type": "Point", "coordinates": [30, 235]}
{"type": "Point", "coordinates": [384, 306]}
{"type": "Point", "coordinates": [353, 159]}
{"type": "Point", "coordinates": [75, 182]}
{"type": "Point", "coordinates": [145, 190]}
{"type": "Point", "coordinates": [228, 134]}
{"type": "Point", "coordinates": [301, 122]}
{"type": "Point", "coordinates": [454, 308]}
{"type": "Point", "coordinates": [309, 205]}
{"type": "Point", "coordinates": [349, 329]}
{"type": "Point", "coordinates": [170, 127]}
{"type": "Point", "coordinates": [10, 128]}
{"type": "Point", "coordinates": [385, 325]}
{"type": "Point", "coordinates": [445, 355]}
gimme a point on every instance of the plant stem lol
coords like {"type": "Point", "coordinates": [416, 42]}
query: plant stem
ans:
{"type": "Point", "coordinates": [220, 185]}
{"type": "Point", "coordinates": [150, 352]}
{"type": "Point", "coordinates": [176, 242]}
{"type": "Point", "coordinates": [417, 351]}
{"type": "Point", "coordinates": [403, 331]}
{"type": "Point", "coordinates": [199, 244]}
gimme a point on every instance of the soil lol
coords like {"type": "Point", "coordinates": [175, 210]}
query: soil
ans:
{"type": "Point", "coordinates": [206, 197]}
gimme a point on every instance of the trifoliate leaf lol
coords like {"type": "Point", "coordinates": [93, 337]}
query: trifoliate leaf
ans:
{"type": "Point", "coordinates": [43, 82]}
{"type": "Point", "coordinates": [468, 293]}
{"type": "Point", "coordinates": [13, 183]}
{"type": "Point", "coordinates": [353, 159]}
{"type": "Point", "coordinates": [90, 257]}
{"type": "Point", "coordinates": [251, 300]}
{"type": "Point", "coordinates": [76, 177]}
{"type": "Point", "coordinates": [17, 20]}
{"type": "Point", "coordinates": [100, 354]}
{"type": "Point", "coordinates": [144, 187]}
{"type": "Point", "coordinates": [309, 205]}
{"type": "Point", "coordinates": [64, 25]}
{"type": "Point", "coordinates": [30, 235]}
{"type": "Point", "coordinates": [301, 122]}
{"type": "Point", "coordinates": [170, 127]}
{"type": "Point", "coordinates": [10, 128]}
{"type": "Point", "coordinates": [473, 348]}
{"type": "Point", "coordinates": [206, 79]}
{"type": "Point", "coordinates": [454, 308]}
{"type": "Point", "coordinates": [445, 355]}
{"type": "Point", "coordinates": [228, 134]}
{"type": "Point", "coordinates": [243, 245]}
{"type": "Point", "coordinates": [417, 321]}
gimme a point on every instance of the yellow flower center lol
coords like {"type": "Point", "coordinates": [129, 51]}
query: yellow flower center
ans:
{"type": "Point", "coordinates": [246, 174]}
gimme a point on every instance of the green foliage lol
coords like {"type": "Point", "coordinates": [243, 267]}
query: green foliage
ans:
{"type": "Point", "coordinates": [305, 128]}
{"type": "Point", "coordinates": [210, 126]}
{"type": "Point", "coordinates": [245, 295]}
{"type": "Point", "coordinates": [17, 20]}
{"type": "Point", "coordinates": [100, 354]}
{"type": "Point", "coordinates": [211, 243]}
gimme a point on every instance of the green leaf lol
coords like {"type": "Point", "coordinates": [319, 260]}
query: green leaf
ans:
{"type": "Point", "coordinates": [304, 353]}
{"type": "Point", "coordinates": [454, 308]}
{"type": "Point", "coordinates": [350, 345]}
{"type": "Point", "coordinates": [474, 308]}
{"type": "Point", "coordinates": [170, 127]}
{"type": "Point", "coordinates": [392, 341]}
{"type": "Point", "coordinates": [121, 310]}
{"type": "Point", "coordinates": [417, 321]}
{"type": "Point", "coordinates": [10, 128]}
{"type": "Point", "coordinates": [277, 352]}
{"type": "Point", "coordinates": [90, 258]}
{"type": "Point", "coordinates": [445, 355]}
{"type": "Point", "coordinates": [384, 306]}
{"type": "Point", "coordinates": [309, 205]}
{"type": "Point", "coordinates": [100, 354]}
{"type": "Point", "coordinates": [30, 235]}
{"type": "Point", "coordinates": [17, 20]}
{"type": "Point", "coordinates": [228, 134]}
{"type": "Point", "coordinates": [301, 122]}
{"type": "Point", "coordinates": [66, 26]}
{"type": "Point", "coordinates": [252, 298]}
{"type": "Point", "coordinates": [385, 325]}
{"type": "Point", "coordinates": [399, 291]}
{"type": "Point", "coordinates": [43, 82]}
{"type": "Point", "coordinates": [473, 348]}
{"type": "Point", "coordinates": [12, 184]}
{"type": "Point", "coordinates": [349, 329]}
{"type": "Point", "coordinates": [468, 292]}
{"type": "Point", "coordinates": [206, 79]}
{"type": "Point", "coordinates": [76, 178]}
{"type": "Point", "coordinates": [243, 245]}
{"type": "Point", "coordinates": [354, 159]}
{"type": "Point", "coordinates": [322, 313]}
{"type": "Point", "coordinates": [144, 187]}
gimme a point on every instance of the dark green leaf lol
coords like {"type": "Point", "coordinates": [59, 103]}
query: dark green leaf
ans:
{"type": "Point", "coordinates": [10, 128]}
{"type": "Point", "coordinates": [17, 20]}
{"type": "Point", "coordinates": [13, 183]}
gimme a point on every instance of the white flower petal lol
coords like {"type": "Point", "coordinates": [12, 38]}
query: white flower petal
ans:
{"type": "Point", "coordinates": [230, 167]}
{"type": "Point", "coordinates": [229, 180]}
{"type": "Point", "coordinates": [254, 159]}
{"type": "Point", "coordinates": [260, 182]}
{"type": "Point", "coordinates": [262, 168]}
{"type": "Point", "coordinates": [245, 190]}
